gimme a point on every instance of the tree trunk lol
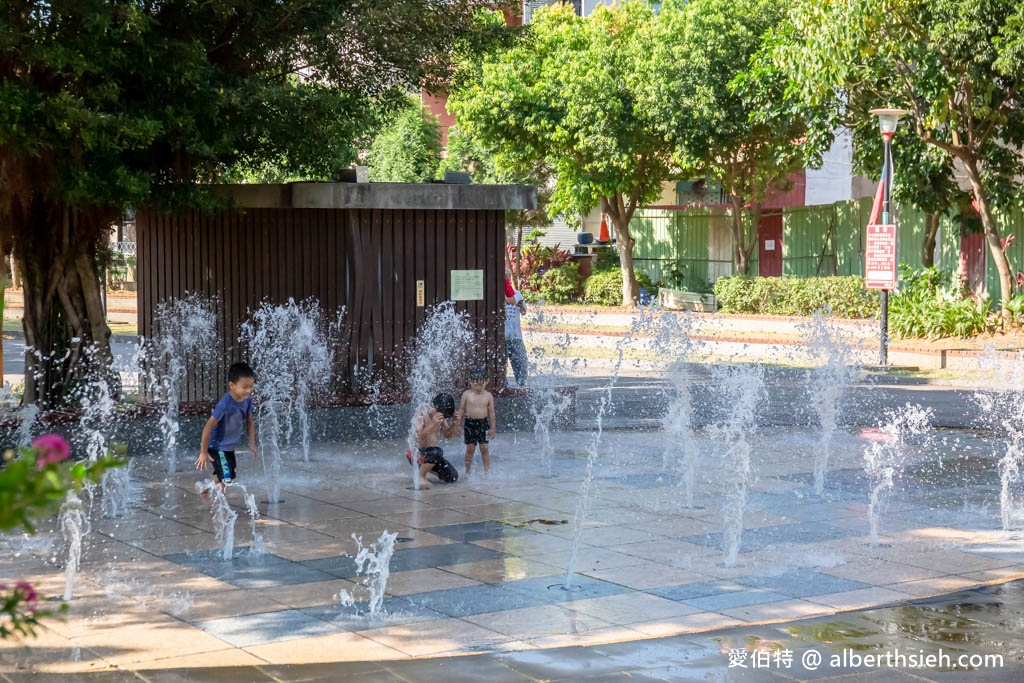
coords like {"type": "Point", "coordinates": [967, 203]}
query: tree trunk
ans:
{"type": "Point", "coordinates": [67, 339]}
{"type": "Point", "coordinates": [931, 229]}
{"type": "Point", "coordinates": [995, 244]}
{"type": "Point", "coordinates": [740, 252]}
{"type": "Point", "coordinates": [621, 213]}
{"type": "Point", "coordinates": [518, 265]}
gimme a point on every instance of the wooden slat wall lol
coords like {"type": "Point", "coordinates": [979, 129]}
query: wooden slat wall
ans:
{"type": "Point", "coordinates": [367, 260]}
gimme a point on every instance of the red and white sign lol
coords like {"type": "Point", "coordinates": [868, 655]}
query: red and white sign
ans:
{"type": "Point", "coordinates": [880, 257]}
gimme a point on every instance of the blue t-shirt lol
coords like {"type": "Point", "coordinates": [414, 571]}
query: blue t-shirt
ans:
{"type": "Point", "coordinates": [230, 415]}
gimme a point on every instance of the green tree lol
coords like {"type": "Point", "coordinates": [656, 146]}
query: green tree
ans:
{"type": "Point", "coordinates": [409, 149]}
{"type": "Point", "coordinates": [956, 65]}
{"type": "Point", "coordinates": [566, 97]}
{"type": "Point", "coordinates": [924, 177]}
{"type": "Point", "coordinates": [112, 104]}
{"type": "Point", "coordinates": [727, 117]}
{"type": "Point", "coordinates": [468, 154]}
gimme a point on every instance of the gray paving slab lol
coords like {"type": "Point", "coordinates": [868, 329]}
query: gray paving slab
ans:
{"type": "Point", "coordinates": [395, 611]}
{"type": "Point", "coordinates": [473, 600]}
{"type": "Point", "coordinates": [477, 531]}
{"type": "Point", "coordinates": [803, 583]}
{"type": "Point", "coordinates": [267, 627]}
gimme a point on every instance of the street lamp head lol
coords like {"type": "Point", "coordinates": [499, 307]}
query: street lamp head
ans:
{"type": "Point", "coordinates": [888, 119]}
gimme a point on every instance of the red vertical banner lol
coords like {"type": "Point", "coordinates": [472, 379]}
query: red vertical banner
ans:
{"type": "Point", "coordinates": [880, 257]}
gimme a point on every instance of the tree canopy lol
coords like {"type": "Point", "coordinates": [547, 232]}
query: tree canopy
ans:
{"type": "Point", "coordinates": [955, 64]}
{"type": "Point", "coordinates": [108, 104]}
{"type": "Point", "coordinates": [408, 150]}
{"type": "Point", "coordinates": [566, 96]}
{"type": "Point", "coordinates": [726, 115]}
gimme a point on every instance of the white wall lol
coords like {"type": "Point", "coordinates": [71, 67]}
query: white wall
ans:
{"type": "Point", "coordinates": [833, 182]}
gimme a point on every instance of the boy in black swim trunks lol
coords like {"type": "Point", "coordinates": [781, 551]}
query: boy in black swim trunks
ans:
{"type": "Point", "coordinates": [223, 430]}
{"type": "Point", "coordinates": [427, 423]}
{"type": "Point", "coordinates": [479, 423]}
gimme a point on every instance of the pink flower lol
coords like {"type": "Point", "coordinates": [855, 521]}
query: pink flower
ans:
{"type": "Point", "coordinates": [28, 594]}
{"type": "Point", "coordinates": [52, 449]}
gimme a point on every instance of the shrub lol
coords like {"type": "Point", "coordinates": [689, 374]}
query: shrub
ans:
{"type": "Point", "coordinates": [845, 297]}
{"type": "Point", "coordinates": [605, 288]}
{"type": "Point", "coordinates": [535, 258]}
{"type": "Point", "coordinates": [925, 307]}
{"type": "Point", "coordinates": [557, 286]}
{"type": "Point", "coordinates": [605, 260]}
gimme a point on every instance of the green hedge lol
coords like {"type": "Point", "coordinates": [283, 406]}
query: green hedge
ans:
{"type": "Point", "coordinates": [605, 288]}
{"type": "Point", "coordinates": [844, 296]}
{"type": "Point", "coordinates": [559, 285]}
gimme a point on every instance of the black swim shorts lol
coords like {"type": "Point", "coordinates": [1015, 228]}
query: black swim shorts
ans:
{"type": "Point", "coordinates": [442, 468]}
{"type": "Point", "coordinates": [475, 429]}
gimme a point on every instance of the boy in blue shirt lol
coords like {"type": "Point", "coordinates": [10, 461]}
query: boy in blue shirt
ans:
{"type": "Point", "coordinates": [223, 430]}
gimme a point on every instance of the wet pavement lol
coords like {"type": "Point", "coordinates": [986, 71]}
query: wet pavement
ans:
{"type": "Point", "coordinates": [480, 566]}
{"type": "Point", "coordinates": [969, 636]}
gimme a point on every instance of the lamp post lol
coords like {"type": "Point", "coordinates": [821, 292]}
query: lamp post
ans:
{"type": "Point", "coordinates": [888, 120]}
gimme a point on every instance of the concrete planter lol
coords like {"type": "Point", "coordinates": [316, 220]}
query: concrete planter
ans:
{"type": "Point", "coordinates": [677, 300]}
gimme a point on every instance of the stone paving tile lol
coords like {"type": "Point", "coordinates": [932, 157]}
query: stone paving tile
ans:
{"type": "Point", "coordinates": [442, 636]}
{"type": "Point", "coordinates": [631, 608]}
{"type": "Point", "coordinates": [267, 627]}
{"type": "Point", "coordinates": [726, 601]}
{"type": "Point", "coordinates": [336, 647]}
{"type": "Point", "coordinates": [394, 611]}
{"type": "Point", "coordinates": [228, 603]}
{"type": "Point", "coordinates": [420, 519]}
{"type": "Point", "coordinates": [1010, 550]}
{"type": "Point", "coordinates": [440, 555]}
{"type": "Point", "coordinates": [509, 510]}
{"type": "Point", "coordinates": [526, 544]}
{"type": "Point", "coordinates": [880, 573]}
{"type": "Point", "coordinates": [250, 571]}
{"type": "Point", "coordinates": [645, 574]}
{"type": "Point", "coordinates": [775, 610]}
{"type": "Point", "coordinates": [470, 670]}
{"type": "Point", "coordinates": [552, 588]}
{"type": "Point", "coordinates": [538, 622]}
{"type": "Point", "coordinates": [701, 589]}
{"type": "Point", "coordinates": [420, 580]}
{"type": "Point", "coordinates": [307, 594]}
{"type": "Point", "coordinates": [477, 531]}
{"type": "Point", "coordinates": [462, 602]}
{"type": "Point", "coordinates": [859, 599]}
{"type": "Point", "coordinates": [507, 568]}
{"type": "Point", "coordinates": [801, 583]}
{"type": "Point", "coordinates": [785, 535]}
{"type": "Point", "coordinates": [590, 558]}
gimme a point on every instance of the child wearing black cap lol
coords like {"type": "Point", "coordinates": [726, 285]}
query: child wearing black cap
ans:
{"type": "Point", "coordinates": [440, 417]}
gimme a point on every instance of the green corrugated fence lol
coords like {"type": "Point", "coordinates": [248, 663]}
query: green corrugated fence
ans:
{"type": "Point", "coordinates": [817, 241]}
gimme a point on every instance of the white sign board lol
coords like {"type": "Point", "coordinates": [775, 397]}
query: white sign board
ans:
{"type": "Point", "coordinates": [467, 285]}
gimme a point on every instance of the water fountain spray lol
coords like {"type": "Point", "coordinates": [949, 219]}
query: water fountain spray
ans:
{"type": "Point", "coordinates": [884, 456]}
{"type": "Point", "coordinates": [184, 338]}
{"type": "Point", "coordinates": [1002, 409]}
{"type": "Point", "coordinates": [439, 361]}
{"type": "Point", "coordinates": [836, 372]}
{"type": "Point", "coordinates": [742, 391]}
{"type": "Point", "coordinates": [579, 518]}
{"type": "Point", "coordinates": [374, 564]}
{"type": "Point", "coordinates": [289, 351]}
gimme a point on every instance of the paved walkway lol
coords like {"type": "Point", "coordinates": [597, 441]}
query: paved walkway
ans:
{"type": "Point", "coordinates": [481, 565]}
{"type": "Point", "coordinates": [977, 625]}
{"type": "Point", "coordinates": [662, 588]}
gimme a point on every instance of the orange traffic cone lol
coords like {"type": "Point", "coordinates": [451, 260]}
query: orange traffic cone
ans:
{"type": "Point", "coordinates": [604, 236]}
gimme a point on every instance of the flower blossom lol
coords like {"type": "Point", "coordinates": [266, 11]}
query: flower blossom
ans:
{"type": "Point", "coordinates": [52, 448]}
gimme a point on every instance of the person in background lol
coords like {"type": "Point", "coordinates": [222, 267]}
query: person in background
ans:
{"type": "Point", "coordinates": [515, 348]}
